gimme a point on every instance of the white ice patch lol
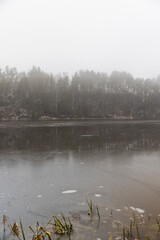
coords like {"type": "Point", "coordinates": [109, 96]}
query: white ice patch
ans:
{"type": "Point", "coordinates": [39, 196]}
{"type": "Point", "coordinates": [98, 238]}
{"type": "Point", "coordinates": [133, 208]}
{"type": "Point", "coordinates": [140, 210]}
{"type": "Point", "coordinates": [100, 186]}
{"type": "Point", "coordinates": [97, 195]}
{"type": "Point", "coordinates": [118, 210]}
{"type": "Point", "coordinates": [69, 191]}
{"type": "Point", "coordinates": [137, 209]}
{"type": "Point", "coordinates": [81, 203]}
{"type": "Point", "coordinates": [52, 185]}
{"type": "Point", "coordinates": [82, 163]}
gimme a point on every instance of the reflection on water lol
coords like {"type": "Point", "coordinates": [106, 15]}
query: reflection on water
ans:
{"type": "Point", "coordinates": [123, 137]}
{"type": "Point", "coordinates": [114, 164]}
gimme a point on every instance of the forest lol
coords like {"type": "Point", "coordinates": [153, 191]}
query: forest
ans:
{"type": "Point", "coordinates": [87, 94]}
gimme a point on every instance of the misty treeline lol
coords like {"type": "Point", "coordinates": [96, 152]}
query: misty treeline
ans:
{"type": "Point", "coordinates": [87, 94]}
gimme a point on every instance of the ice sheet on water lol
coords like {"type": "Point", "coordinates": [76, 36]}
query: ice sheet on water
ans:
{"type": "Point", "coordinates": [118, 210]}
{"type": "Point", "coordinates": [132, 208]}
{"type": "Point", "coordinates": [81, 203]}
{"type": "Point", "coordinates": [69, 191]}
{"type": "Point", "coordinates": [140, 210]}
{"type": "Point", "coordinates": [137, 209]}
{"type": "Point", "coordinates": [39, 196]}
{"type": "Point", "coordinates": [97, 195]}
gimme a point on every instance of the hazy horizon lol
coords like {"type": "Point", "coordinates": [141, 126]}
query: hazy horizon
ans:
{"type": "Point", "coordinates": [67, 36]}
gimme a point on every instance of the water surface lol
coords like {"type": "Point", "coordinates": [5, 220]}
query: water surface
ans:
{"type": "Point", "coordinates": [50, 167]}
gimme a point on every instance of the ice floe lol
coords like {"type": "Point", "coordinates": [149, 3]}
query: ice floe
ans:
{"type": "Point", "coordinates": [97, 195]}
{"type": "Point", "coordinates": [137, 209]}
{"type": "Point", "coordinates": [140, 210]}
{"type": "Point", "coordinates": [81, 203]}
{"type": "Point", "coordinates": [69, 191]}
{"type": "Point", "coordinates": [132, 208]}
{"type": "Point", "coordinates": [39, 196]}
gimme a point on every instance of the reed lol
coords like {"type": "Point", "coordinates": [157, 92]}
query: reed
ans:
{"type": "Point", "coordinates": [99, 217]}
{"type": "Point", "coordinates": [22, 230]}
{"type": "Point", "coordinates": [130, 228]}
{"type": "Point", "coordinates": [134, 219]}
{"type": "Point", "coordinates": [15, 229]}
{"type": "Point", "coordinates": [62, 226]}
{"type": "Point", "coordinates": [110, 238]}
{"type": "Point", "coordinates": [111, 212]}
{"type": "Point", "coordinates": [124, 234]}
{"type": "Point", "coordinates": [137, 229]}
{"type": "Point", "coordinates": [158, 224]}
{"type": "Point", "coordinates": [90, 205]}
{"type": "Point", "coordinates": [40, 233]}
{"type": "Point", "coordinates": [147, 237]}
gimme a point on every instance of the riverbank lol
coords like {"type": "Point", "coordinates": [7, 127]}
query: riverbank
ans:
{"type": "Point", "coordinates": [11, 113]}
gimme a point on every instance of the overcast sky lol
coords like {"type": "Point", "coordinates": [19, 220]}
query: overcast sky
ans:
{"type": "Point", "coordinates": [69, 35]}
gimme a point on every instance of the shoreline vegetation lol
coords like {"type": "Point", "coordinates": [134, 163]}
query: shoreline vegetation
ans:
{"type": "Point", "coordinates": [37, 95]}
{"type": "Point", "coordinates": [119, 224]}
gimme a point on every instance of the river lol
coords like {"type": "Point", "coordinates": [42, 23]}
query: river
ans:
{"type": "Point", "coordinates": [51, 167]}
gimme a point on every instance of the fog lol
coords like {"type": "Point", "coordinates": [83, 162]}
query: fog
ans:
{"type": "Point", "coordinates": [68, 35]}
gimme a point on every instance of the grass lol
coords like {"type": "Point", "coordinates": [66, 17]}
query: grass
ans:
{"type": "Point", "coordinates": [130, 228]}
{"type": "Point", "coordinates": [158, 224]}
{"type": "Point", "coordinates": [137, 229]}
{"type": "Point", "coordinates": [59, 226]}
{"type": "Point", "coordinates": [99, 217]}
{"type": "Point", "coordinates": [90, 205]}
